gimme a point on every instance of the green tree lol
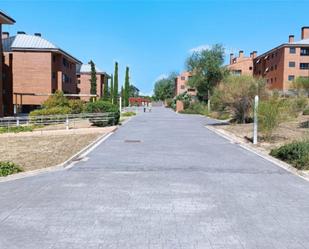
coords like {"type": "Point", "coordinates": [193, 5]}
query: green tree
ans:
{"type": "Point", "coordinates": [105, 90]}
{"type": "Point", "coordinates": [115, 94]}
{"type": "Point", "coordinates": [126, 88]}
{"type": "Point", "coordinates": [206, 67]}
{"type": "Point", "coordinates": [134, 91]}
{"type": "Point", "coordinates": [93, 79]}
{"type": "Point", "coordinates": [165, 87]}
{"type": "Point", "coordinates": [122, 94]}
{"type": "Point", "coordinates": [112, 89]}
{"type": "Point", "coordinates": [301, 84]}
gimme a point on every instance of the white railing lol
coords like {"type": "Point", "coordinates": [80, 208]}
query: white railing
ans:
{"type": "Point", "coordinates": [68, 120]}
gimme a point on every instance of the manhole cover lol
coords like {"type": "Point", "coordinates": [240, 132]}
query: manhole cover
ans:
{"type": "Point", "coordinates": [132, 141]}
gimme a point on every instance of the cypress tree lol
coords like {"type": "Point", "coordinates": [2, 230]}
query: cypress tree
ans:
{"type": "Point", "coordinates": [112, 89]}
{"type": "Point", "coordinates": [127, 88]}
{"type": "Point", "coordinates": [116, 84]}
{"type": "Point", "coordinates": [122, 95]}
{"type": "Point", "coordinates": [93, 79]}
{"type": "Point", "coordinates": [105, 90]}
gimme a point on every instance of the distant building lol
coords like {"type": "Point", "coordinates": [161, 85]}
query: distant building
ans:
{"type": "Point", "coordinates": [284, 63]}
{"type": "Point", "coordinates": [4, 99]}
{"type": "Point", "coordinates": [241, 65]}
{"type": "Point", "coordinates": [38, 68]}
{"type": "Point", "coordinates": [181, 84]}
{"type": "Point", "coordinates": [83, 74]}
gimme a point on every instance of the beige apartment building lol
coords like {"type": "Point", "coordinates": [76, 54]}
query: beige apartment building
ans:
{"type": "Point", "coordinates": [83, 74]}
{"type": "Point", "coordinates": [36, 69]}
{"type": "Point", "coordinates": [4, 101]}
{"type": "Point", "coordinates": [181, 85]}
{"type": "Point", "coordinates": [241, 65]}
{"type": "Point", "coordinates": [281, 65]}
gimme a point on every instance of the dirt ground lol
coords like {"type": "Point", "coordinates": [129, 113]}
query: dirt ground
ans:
{"type": "Point", "coordinates": [288, 131]}
{"type": "Point", "coordinates": [41, 149]}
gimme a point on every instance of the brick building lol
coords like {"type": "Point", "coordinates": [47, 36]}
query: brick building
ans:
{"type": "Point", "coordinates": [36, 68]}
{"type": "Point", "coordinates": [4, 19]}
{"type": "Point", "coordinates": [83, 74]}
{"type": "Point", "coordinates": [284, 63]}
{"type": "Point", "coordinates": [241, 65]}
{"type": "Point", "coordinates": [181, 84]}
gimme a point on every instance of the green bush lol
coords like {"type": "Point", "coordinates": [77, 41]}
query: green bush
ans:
{"type": "Point", "coordinates": [76, 106]}
{"type": "Point", "coordinates": [169, 103]}
{"type": "Point", "coordinates": [50, 111]}
{"type": "Point", "coordinates": [101, 106]}
{"type": "Point", "coordinates": [196, 108]}
{"type": "Point", "coordinates": [16, 129]}
{"type": "Point", "coordinates": [306, 111]}
{"type": "Point", "coordinates": [128, 114]}
{"type": "Point", "coordinates": [56, 100]}
{"type": "Point", "coordinates": [270, 114]}
{"type": "Point", "coordinates": [8, 168]}
{"type": "Point", "coordinates": [296, 153]}
{"type": "Point", "coordinates": [297, 105]}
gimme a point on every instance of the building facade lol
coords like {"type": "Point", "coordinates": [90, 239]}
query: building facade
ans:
{"type": "Point", "coordinates": [83, 74]}
{"type": "Point", "coordinates": [241, 65]}
{"type": "Point", "coordinates": [37, 68]}
{"type": "Point", "coordinates": [281, 65]}
{"type": "Point", "coordinates": [4, 100]}
{"type": "Point", "coordinates": [181, 84]}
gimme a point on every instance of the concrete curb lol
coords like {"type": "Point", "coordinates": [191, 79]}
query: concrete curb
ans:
{"type": "Point", "coordinates": [304, 175]}
{"type": "Point", "coordinates": [69, 163]}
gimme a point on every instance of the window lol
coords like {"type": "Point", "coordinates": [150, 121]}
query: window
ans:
{"type": "Point", "coordinates": [275, 67]}
{"type": "Point", "coordinates": [291, 77]}
{"type": "Point", "coordinates": [191, 90]}
{"type": "Point", "coordinates": [65, 78]}
{"type": "Point", "coordinates": [250, 68]}
{"type": "Point", "coordinates": [304, 51]}
{"type": "Point", "coordinates": [271, 68]}
{"type": "Point", "coordinates": [183, 78]}
{"type": "Point", "coordinates": [237, 72]}
{"type": "Point", "coordinates": [182, 87]}
{"type": "Point", "coordinates": [304, 65]}
{"type": "Point", "coordinates": [64, 62]}
{"type": "Point", "coordinates": [54, 75]}
{"type": "Point", "coordinates": [291, 63]}
{"type": "Point", "coordinates": [292, 50]}
{"type": "Point", "coordinates": [271, 80]}
{"type": "Point", "coordinates": [54, 58]}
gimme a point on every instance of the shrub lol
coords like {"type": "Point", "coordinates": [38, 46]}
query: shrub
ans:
{"type": "Point", "coordinates": [128, 114]}
{"type": "Point", "coordinates": [76, 105]}
{"type": "Point", "coordinates": [297, 105]}
{"type": "Point", "coordinates": [168, 103]}
{"type": "Point", "coordinates": [16, 129]}
{"type": "Point", "coordinates": [306, 111]}
{"type": "Point", "coordinates": [270, 114]}
{"type": "Point", "coordinates": [101, 106]}
{"type": "Point", "coordinates": [56, 100]}
{"type": "Point", "coordinates": [185, 98]}
{"type": "Point", "coordinates": [196, 108]}
{"type": "Point", "coordinates": [8, 168]}
{"type": "Point", "coordinates": [50, 111]}
{"type": "Point", "coordinates": [237, 93]}
{"type": "Point", "coordinates": [295, 153]}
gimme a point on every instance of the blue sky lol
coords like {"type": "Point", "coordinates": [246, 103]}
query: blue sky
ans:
{"type": "Point", "coordinates": [155, 37]}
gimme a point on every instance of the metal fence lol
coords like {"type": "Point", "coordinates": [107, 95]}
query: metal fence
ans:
{"type": "Point", "coordinates": [64, 120]}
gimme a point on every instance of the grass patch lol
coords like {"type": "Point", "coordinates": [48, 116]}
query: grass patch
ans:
{"type": "Point", "coordinates": [128, 114]}
{"type": "Point", "coordinates": [8, 168]}
{"type": "Point", "coordinates": [16, 129]}
{"type": "Point", "coordinates": [295, 153]}
{"type": "Point", "coordinates": [306, 111]}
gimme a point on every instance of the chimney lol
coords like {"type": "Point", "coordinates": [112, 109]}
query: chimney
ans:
{"type": "Point", "coordinates": [21, 32]}
{"type": "Point", "coordinates": [38, 34]}
{"type": "Point", "coordinates": [5, 35]}
{"type": "Point", "coordinates": [241, 53]}
{"type": "Point", "coordinates": [305, 33]}
{"type": "Point", "coordinates": [231, 58]}
{"type": "Point", "coordinates": [291, 38]}
{"type": "Point", "coordinates": [253, 54]}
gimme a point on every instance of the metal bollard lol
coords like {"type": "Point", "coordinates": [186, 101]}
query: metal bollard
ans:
{"type": "Point", "coordinates": [67, 122]}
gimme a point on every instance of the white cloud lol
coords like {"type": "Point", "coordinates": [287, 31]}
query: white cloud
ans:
{"type": "Point", "coordinates": [200, 48]}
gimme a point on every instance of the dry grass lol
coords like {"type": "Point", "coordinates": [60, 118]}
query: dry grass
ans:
{"type": "Point", "coordinates": [287, 132]}
{"type": "Point", "coordinates": [35, 150]}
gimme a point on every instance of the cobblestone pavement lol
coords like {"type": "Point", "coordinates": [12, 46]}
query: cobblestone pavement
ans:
{"type": "Point", "coordinates": [161, 181]}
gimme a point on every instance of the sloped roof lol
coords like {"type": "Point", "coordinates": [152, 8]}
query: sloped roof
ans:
{"type": "Point", "coordinates": [86, 68]}
{"type": "Point", "coordinates": [32, 42]}
{"type": "Point", "coordinates": [5, 18]}
{"type": "Point", "coordinates": [302, 42]}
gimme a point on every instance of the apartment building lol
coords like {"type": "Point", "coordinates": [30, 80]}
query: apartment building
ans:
{"type": "Point", "coordinates": [281, 65]}
{"type": "Point", "coordinates": [83, 75]}
{"type": "Point", "coordinates": [36, 69]}
{"type": "Point", "coordinates": [181, 85]}
{"type": "Point", "coordinates": [241, 65]}
{"type": "Point", "coordinates": [4, 101]}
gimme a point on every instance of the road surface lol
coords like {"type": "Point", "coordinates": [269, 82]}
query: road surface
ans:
{"type": "Point", "coordinates": [161, 181]}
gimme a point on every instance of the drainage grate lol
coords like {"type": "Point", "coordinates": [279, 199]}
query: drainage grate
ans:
{"type": "Point", "coordinates": [132, 141]}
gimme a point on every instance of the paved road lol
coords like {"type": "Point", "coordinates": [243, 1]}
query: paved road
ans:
{"type": "Point", "coordinates": [181, 187]}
